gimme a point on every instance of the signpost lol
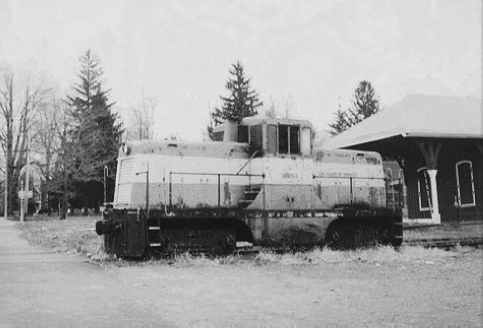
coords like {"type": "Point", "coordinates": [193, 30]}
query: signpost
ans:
{"type": "Point", "coordinates": [22, 194]}
{"type": "Point", "coordinates": [26, 193]}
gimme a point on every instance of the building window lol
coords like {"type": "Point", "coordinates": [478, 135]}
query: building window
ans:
{"type": "Point", "coordinates": [424, 190]}
{"type": "Point", "coordinates": [389, 173]}
{"type": "Point", "coordinates": [465, 184]}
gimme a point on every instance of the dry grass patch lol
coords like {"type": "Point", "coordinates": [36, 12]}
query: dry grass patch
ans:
{"type": "Point", "coordinates": [412, 286]}
{"type": "Point", "coordinates": [77, 235]}
{"type": "Point", "coordinates": [446, 230]}
{"type": "Point", "coordinates": [71, 236]}
{"type": "Point", "coordinates": [378, 256]}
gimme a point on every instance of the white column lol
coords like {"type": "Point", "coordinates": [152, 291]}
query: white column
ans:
{"type": "Point", "coordinates": [435, 216]}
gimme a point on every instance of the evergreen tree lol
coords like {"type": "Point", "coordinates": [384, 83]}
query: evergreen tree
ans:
{"type": "Point", "coordinates": [365, 104]}
{"type": "Point", "coordinates": [242, 101]}
{"type": "Point", "coordinates": [341, 123]}
{"type": "Point", "coordinates": [94, 134]}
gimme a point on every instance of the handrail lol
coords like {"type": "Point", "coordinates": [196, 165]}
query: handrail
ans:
{"type": "Point", "coordinates": [171, 173]}
{"type": "Point", "coordinates": [223, 174]}
{"type": "Point", "coordinates": [338, 177]}
{"type": "Point", "coordinates": [351, 180]}
{"type": "Point", "coordinates": [251, 157]}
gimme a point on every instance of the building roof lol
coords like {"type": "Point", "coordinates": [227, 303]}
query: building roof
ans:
{"type": "Point", "coordinates": [417, 116]}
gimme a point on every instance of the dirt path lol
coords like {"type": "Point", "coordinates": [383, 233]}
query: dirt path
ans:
{"type": "Point", "coordinates": [43, 289]}
{"type": "Point", "coordinates": [38, 288]}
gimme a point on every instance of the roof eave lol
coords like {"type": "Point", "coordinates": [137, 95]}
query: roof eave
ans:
{"type": "Point", "coordinates": [364, 140]}
{"type": "Point", "coordinates": [442, 135]}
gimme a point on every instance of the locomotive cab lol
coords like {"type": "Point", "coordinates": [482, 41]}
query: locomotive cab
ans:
{"type": "Point", "coordinates": [279, 137]}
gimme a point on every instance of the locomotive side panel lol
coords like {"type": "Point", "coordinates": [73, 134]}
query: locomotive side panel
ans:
{"type": "Point", "coordinates": [327, 180]}
{"type": "Point", "coordinates": [181, 181]}
{"type": "Point", "coordinates": [289, 230]}
{"type": "Point", "coordinates": [349, 177]}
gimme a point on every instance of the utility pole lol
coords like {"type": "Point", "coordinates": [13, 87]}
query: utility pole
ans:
{"type": "Point", "coordinates": [27, 176]}
{"type": "Point", "coordinates": [25, 203]}
{"type": "Point", "coordinates": [6, 185]}
{"type": "Point", "coordinates": [106, 173]}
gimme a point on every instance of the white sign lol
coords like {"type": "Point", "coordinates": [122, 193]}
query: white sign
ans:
{"type": "Point", "coordinates": [22, 193]}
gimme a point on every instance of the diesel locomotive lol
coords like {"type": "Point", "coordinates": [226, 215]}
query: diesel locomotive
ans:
{"type": "Point", "coordinates": [260, 182]}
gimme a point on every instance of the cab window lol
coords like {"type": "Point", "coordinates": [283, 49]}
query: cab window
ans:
{"type": "Point", "coordinates": [283, 139]}
{"type": "Point", "coordinates": [256, 137]}
{"type": "Point", "coordinates": [294, 139]}
{"type": "Point", "coordinates": [242, 133]}
{"type": "Point", "coordinates": [288, 139]}
{"type": "Point", "coordinates": [272, 139]}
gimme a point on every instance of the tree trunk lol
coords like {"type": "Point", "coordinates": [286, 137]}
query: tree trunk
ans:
{"type": "Point", "coordinates": [64, 205]}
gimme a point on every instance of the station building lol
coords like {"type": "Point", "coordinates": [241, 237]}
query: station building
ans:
{"type": "Point", "coordinates": [438, 143]}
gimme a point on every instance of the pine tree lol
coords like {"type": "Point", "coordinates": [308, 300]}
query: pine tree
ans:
{"type": "Point", "coordinates": [365, 104]}
{"type": "Point", "coordinates": [242, 101]}
{"type": "Point", "coordinates": [94, 132]}
{"type": "Point", "coordinates": [341, 123]}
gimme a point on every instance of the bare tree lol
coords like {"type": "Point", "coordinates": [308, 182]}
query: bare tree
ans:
{"type": "Point", "coordinates": [271, 112]}
{"type": "Point", "coordinates": [144, 118]}
{"type": "Point", "coordinates": [18, 114]}
{"type": "Point", "coordinates": [47, 145]}
{"type": "Point", "coordinates": [284, 107]}
{"type": "Point", "coordinates": [66, 165]}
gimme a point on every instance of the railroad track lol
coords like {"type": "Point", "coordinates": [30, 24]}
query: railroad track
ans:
{"type": "Point", "coordinates": [445, 243]}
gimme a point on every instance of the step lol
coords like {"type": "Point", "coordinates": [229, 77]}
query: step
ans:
{"type": "Point", "coordinates": [252, 191]}
{"type": "Point", "coordinates": [251, 198]}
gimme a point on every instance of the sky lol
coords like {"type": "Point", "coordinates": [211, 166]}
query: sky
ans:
{"type": "Point", "coordinates": [306, 57]}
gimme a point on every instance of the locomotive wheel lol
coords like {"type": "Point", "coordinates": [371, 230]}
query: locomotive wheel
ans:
{"type": "Point", "coordinates": [226, 244]}
{"type": "Point", "coordinates": [384, 236]}
{"type": "Point", "coordinates": [346, 238]}
{"type": "Point", "coordinates": [191, 237]}
{"type": "Point", "coordinates": [335, 238]}
{"type": "Point", "coordinates": [351, 238]}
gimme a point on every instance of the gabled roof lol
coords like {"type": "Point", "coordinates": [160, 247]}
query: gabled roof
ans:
{"type": "Point", "coordinates": [417, 116]}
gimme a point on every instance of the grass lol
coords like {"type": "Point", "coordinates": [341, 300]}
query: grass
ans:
{"type": "Point", "coordinates": [411, 286]}
{"type": "Point", "coordinates": [445, 230]}
{"type": "Point", "coordinates": [71, 236]}
{"type": "Point", "coordinates": [77, 235]}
